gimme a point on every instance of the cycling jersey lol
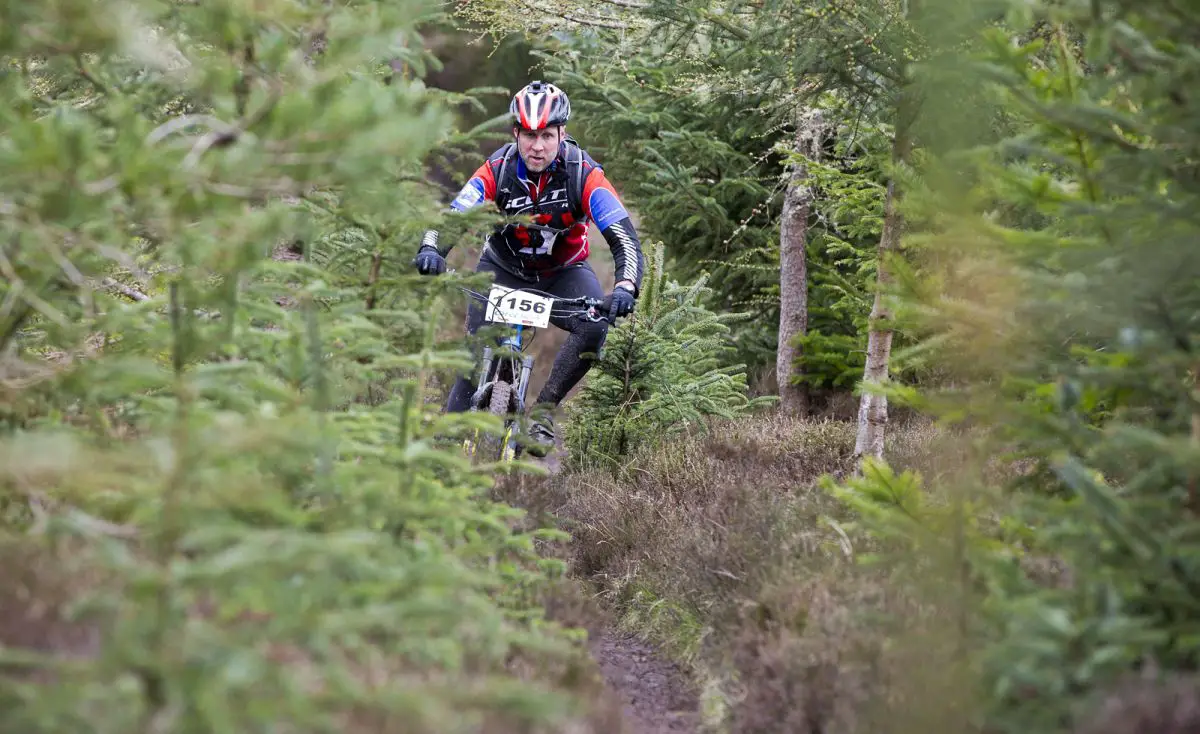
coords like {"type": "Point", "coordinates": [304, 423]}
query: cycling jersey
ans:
{"type": "Point", "coordinates": [557, 238]}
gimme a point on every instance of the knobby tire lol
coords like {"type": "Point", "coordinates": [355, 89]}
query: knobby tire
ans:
{"type": "Point", "coordinates": [499, 407]}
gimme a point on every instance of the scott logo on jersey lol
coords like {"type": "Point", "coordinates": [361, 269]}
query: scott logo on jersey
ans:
{"type": "Point", "coordinates": [518, 204]}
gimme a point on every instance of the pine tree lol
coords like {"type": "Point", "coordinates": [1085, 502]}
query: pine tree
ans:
{"type": "Point", "coordinates": [793, 261]}
{"type": "Point", "coordinates": [660, 373]}
{"type": "Point", "coordinates": [218, 487]}
{"type": "Point", "coordinates": [1061, 285]}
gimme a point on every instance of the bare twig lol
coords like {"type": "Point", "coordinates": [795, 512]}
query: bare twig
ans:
{"type": "Point", "coordinates": [207, 141]}
{"type": "Point", "coordinates": [597, 22]}
{"type": "Point", "coordinates": [41, 506]}
{"type": "Point", "coordinates": [103, 186]}
{"type": "Point", "coordinates": [373, 279]}
{"type": "Point", "coordinates": [131, 293]}
{"type": "Point", "coordinates": [67, 266]}
{"type": "Point", "coordinates": [729, 26]}
{"type": "Point", "coordinates": [215, 138]}
{"type": "Point", "coordinates": [91, 78]}
{"type": "Point", "coordinates": [183, 122]}
{"type": "Point", "coordinates": [261, 192]}
{"type": "Point", "coordinates": [722, 572]}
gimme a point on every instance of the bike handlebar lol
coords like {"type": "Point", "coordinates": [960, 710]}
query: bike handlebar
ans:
{"type": "Point", "coordinates": [591, 307]}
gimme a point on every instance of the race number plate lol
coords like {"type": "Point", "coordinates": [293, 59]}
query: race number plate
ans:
{"type": "Point", "coordinates": [507, 306]}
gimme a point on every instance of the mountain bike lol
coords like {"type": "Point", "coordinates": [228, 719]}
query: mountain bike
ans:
{"type": "Point", "coordinates": [504, 372]}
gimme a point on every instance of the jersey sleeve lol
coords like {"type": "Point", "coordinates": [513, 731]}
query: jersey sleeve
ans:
{"type": "Point", "coordinates": [600, 200]}
{"type": "Point", "coordinates": [479, 188]}
{"type": "Point", "coordinates": [604, 207]}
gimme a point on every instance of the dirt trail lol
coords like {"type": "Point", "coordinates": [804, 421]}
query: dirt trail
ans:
{"type": "Point", "coordinates": [655, 694]}
{"type": "Point", "coordinates": [653, 691]}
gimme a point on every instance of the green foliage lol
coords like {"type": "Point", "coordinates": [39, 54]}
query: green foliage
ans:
{"type": "Point", "coordinates": [891, 504]}
{"type": "Point", "coordinates": [1068, 314]}
{"type": "Point", "coordinates": [710, 182]}
{"type": "Point", "coordinates": [219, 493]}
{"type": "Point", "coordinates": [845, 229]}
{"type": "Point", "coordinates": [696, 115]}
{"type": "Point", "coordinates": [704, 181]}
{"type": "Point", "coordinates": [660, 373]}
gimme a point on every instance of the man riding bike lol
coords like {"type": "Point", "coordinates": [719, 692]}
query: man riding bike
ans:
{"type": "Point", "coordinates": [546, 178]}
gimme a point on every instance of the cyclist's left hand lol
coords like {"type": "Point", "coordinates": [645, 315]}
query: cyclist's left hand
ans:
{"type": "Point", "coordinates": [620, 303]}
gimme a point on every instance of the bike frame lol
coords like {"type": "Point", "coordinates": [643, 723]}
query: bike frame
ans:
{"type": "Point", "coordinates": [507, 362]}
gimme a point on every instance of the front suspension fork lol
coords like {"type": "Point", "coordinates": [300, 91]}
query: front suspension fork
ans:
{"type": "Point", "coordinates": [487, 374]}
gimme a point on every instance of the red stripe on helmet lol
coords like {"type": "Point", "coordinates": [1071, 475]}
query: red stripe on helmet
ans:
{"type": "Point", "coordinates": [524, 117]}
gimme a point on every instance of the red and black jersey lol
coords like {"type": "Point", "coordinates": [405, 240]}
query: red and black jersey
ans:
{"type": "Point", "coordinates": [557, 237]}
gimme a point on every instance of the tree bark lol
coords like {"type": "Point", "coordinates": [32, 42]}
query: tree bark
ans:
{"type": "Point", "coordinates": [872, 408]}
{"type": "Point", "coordinates": [793, 263]}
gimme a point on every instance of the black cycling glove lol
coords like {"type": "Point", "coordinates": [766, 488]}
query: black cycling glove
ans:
{"type": "Point", "coordinates": [620, 303]}
{"type": "Point", "coordinates": [429, 261]}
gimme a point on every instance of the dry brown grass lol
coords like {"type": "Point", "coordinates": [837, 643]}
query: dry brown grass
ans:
{"type": "Point", "coordinates": [1167, 706]}
{"type": "Point", "coordinates": [38, 584]}
{"type": "Point", "coordinates": [721, 546]}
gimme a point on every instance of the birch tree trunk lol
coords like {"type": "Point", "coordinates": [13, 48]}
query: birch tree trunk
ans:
{"type": "Point", "coordinates": [873, 409]}
{"type": "Point", "coordinates": [793, 263]}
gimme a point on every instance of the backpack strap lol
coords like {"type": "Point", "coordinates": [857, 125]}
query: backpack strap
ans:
{"type": "Point", "coordinates": [510, 150]}
{"type": "Point", "coordinates": [574, 174]}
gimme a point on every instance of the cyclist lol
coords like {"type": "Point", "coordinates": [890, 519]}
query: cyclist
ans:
{"type": "Point", "coordinates": [554, 188]}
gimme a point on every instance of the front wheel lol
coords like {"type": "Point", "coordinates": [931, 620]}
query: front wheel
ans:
{"type": "Point", "coordinates": [504, 448]}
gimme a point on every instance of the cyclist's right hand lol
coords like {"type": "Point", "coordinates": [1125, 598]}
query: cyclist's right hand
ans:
{"type": "Point", "coordinates": [429, 261]}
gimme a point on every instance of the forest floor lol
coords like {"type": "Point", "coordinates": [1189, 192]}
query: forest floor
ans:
{"type": "Point", "coordinates": [656, 695]}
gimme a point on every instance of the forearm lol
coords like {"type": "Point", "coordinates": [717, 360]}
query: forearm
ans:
{"type": "Point", "coordinates": [626, 250]}
{"type": "Point", "coordinates": [431, 239]}
{"type": "Point", "coordinates": [476, 191]}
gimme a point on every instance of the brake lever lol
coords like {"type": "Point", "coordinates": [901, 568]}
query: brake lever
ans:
{"type": "Point", "coordinates": [595, 315]}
